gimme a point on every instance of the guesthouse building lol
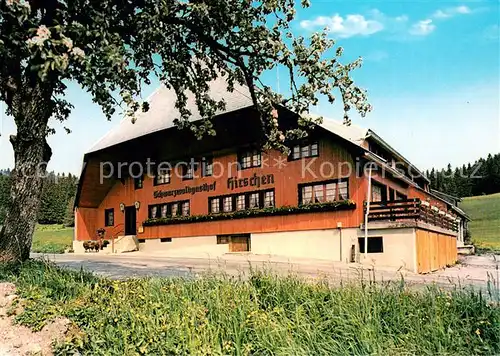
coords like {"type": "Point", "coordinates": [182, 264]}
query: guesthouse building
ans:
{"type": "Point", "coordinates": [341, 194]}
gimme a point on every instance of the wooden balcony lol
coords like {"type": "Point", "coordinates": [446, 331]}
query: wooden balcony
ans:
{"type": "Point", "coordinates": [410, 210]}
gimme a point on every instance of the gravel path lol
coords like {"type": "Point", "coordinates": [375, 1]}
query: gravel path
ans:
{"type": "Point", "coordinates": [472, 270]}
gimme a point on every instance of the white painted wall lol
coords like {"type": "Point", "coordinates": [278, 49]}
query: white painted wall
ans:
{"type": "Point", "coordinates": [461, 234]}
{"type": "Point", "coordinates": [399, 249]}
{"type": "Point", "coordinates": [196, 247]}
{"type": "Point", "coordinates": [399, 246]}
{"type": "Point", "coordinates": [317, 244]}
{"type": "Point", "coordinates": [78, 247]}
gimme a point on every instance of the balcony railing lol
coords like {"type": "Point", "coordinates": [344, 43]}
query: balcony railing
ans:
{"type": "Point", "coordinates": [411, 210]}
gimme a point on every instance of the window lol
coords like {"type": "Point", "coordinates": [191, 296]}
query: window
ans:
{"type": "Point", "coordinates": [343, 190]}
{"type": "Point", "coordinates": [214, 205]}
{"type": "Point", "coordinates": [109, 217]}
{"type": "Point", "coordinates": [318, 193]}
{"type": "Point", "coordinates": [254, 201]}
{"type": "Point", "coordinates": [269, 199]}
{"type": "Point", "coordinates": [138, 182]}
{"type": "Point", "coordinates": [375, 244]}
{"type": "Point", "coordinates": [169, 209]}
{"type": "Point", "coordinates": [256, 159]}
{"type": "Point", "coordinates": [222, 240]}
{"type": "Point", "coordinates": [166, 239]}
{"type": "Point", "coordinates": [395, 195]}
{"type": "Point", "coordinates": [307, 195]}
{"type": "Point", "coordinates": [304, 151]}
{"type": "Point", "coordinates": [379, 151]}
{"type": "Point", "coordinates": [376, 192]}
{"type": "Point", "coordinates": [401, 196]}
{"type": "Point", "coordinates": [227, 204]}
{"type": "Point", "coordinates": [392, 194]}
{"type": "Point", "coordinates": [323, 192]}
{"type": "Point", "coordinates": [162, 177]}
{"type": "Point", "coordinates": [207, 166]}
{"type": "Point", "coordinates": [174, 207]}
{"type": "Point", "coordinates": [185, 208]}
{"type": "Point", "coordinates": [240, 202]}
{"type": "Point", "coordinates": [331, 191]}
{"type": "Point", "coordinates": [314, 150]}
{"type": "Point", "coordinates": [379, 192]}
{"type": "Point", "coordinates": [188, 171]}
{"type": "Point", "coordinates": [153, 212]}
{"type": "Point", "coordinates": [249, 159]}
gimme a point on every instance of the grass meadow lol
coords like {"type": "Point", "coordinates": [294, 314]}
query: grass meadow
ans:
{"type": "Point", "coordinates": [52, 239]}
{"type": "Point", "coordinates": [484, 211]}
{"type": "Point", "coordinates": [262, 314]}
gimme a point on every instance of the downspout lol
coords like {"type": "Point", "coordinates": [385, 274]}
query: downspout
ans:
{"type": "Point", "coordinates": [339, 226]}
{"type": "Point", "coordinates": [75, 230]}
{"type": "Point", "coordinates": [367, 210]}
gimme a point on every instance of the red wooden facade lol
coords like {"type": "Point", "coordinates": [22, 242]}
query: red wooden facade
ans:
{"type": "Point", "coordinates": [287, 175]}
{"type": "Point", "coordinates": [337, 159]}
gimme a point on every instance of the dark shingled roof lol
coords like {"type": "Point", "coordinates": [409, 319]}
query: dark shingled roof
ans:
{"type": "Point", "coordinates": [162, 113]}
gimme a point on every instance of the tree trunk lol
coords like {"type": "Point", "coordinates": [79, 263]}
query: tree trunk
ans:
{"type": "Point", "coordinates": [31, 109]}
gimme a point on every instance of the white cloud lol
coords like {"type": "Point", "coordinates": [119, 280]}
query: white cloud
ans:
{"type": "Point", "coordinates": [379, 16]}
{"type": "Point", "coordinates": [440, 14]}
{"type": "Point", "coordinates": [358, 24]}
{"type": "Point", "coordinates": [402, 18]}
{"type": "Point", "coordinates": [426, 27]}
{"type": "Point", "coordinates": [422, 28]}
{"type": "Point", "coordinates": [351, 25]}
{"type": "Point", "coordinates": [463, 10]}
{"type": "Point", "coordinates": [375, 21]}
{"type": "Point", "coordinates": [451, 11]}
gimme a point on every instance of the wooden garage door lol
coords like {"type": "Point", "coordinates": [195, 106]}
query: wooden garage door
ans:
{"type": "Point", "coordinates": [423, 251]}
{"type": "Point", "coordinates": [239, 243]}
{"type": "Point", "coordinates": [434, 250]}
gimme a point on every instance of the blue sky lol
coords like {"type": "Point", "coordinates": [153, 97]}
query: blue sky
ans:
{"type": "Point", "coordinates": [431, 69]}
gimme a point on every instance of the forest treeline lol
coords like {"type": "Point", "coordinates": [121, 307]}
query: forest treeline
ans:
{"type": "Point", "coordinates": [58, 198]}
{"type": "Point", "coordinates": [481, 177]}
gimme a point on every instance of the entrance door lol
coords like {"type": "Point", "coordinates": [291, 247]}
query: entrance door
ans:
{"type": "Point", "coordinates": [239, 243]}
{"type": "Point", "coordinates": [130, 220]}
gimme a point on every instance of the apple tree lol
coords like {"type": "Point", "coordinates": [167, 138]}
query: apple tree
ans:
{"type": "Point", "coordinates": [112, 48]}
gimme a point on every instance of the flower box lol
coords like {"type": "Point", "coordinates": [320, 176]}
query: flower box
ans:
{"type": "Point", "coordinates": [251, 213]}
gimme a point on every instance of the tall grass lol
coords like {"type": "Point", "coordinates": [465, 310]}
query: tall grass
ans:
{"type": "Point", "coordinates": [263, 314]}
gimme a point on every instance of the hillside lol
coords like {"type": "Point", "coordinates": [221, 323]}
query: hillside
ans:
{"type": "Point", "coordinates": [485, 225]}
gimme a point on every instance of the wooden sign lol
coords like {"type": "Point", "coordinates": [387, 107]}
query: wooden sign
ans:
{"type": "Point", "coordinates": [254, 181]}
{"type": "Point", "coordinates": [183, 191]}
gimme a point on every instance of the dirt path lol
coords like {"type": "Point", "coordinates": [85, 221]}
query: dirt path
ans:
{"type": "Point", "coordinates": [16, 340]}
